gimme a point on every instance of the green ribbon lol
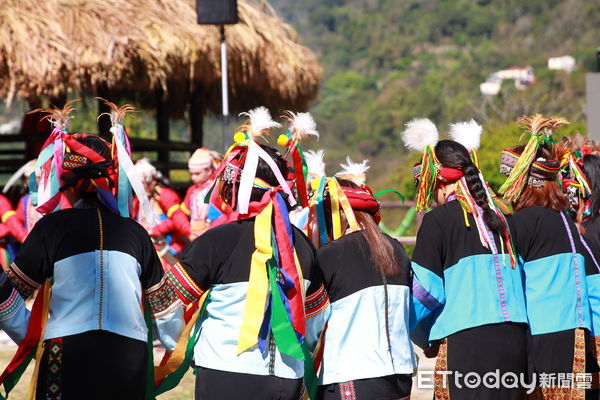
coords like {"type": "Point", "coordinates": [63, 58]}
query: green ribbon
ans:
{"type": "Point", "coordinates": [13, 378]}
{"type": "Point", "coordinates": [391, 191]}
{"type": "Point", "coordinates": [285, 336]}
{"type": "Point", "coordinates": [304, 166]}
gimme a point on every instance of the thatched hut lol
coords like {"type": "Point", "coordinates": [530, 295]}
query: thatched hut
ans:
{"type": "Point", "coordinates": [155, 50]}
{"type": "Point", "coordinates": [49, 47]}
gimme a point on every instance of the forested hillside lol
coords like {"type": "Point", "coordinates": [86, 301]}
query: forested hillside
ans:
{"type": "Point", "coordinates": [387, 61]}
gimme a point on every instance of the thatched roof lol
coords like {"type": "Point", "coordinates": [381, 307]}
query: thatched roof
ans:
{"type": "Point", "coordinates": [51, 46]}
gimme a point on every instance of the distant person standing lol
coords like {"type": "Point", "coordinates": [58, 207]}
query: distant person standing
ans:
{"type": "Point", "coordinates": [201, 165]}
{"type": "Point", "coordinates": [171, 233]}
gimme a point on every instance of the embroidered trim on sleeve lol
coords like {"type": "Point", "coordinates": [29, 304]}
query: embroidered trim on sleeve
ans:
{"type": "Point", "coordinates": [316, 303]}
{"type": "Point", "coordinates": [24, 285]}
{"type": "Point", "coordinates": [161, 297]}
{"type": "Point", "coordinates": [10, 306]}
{"type": "Point", "coordinates": [183, 284]}
{"type": "Point", "coordinates": [424, 296]}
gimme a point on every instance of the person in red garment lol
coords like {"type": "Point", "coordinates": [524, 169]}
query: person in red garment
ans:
{"type": "Point", "coordinates": [171, 234]}
{"type": "Point", "coordinates": [201, 165]}
{"type": "Point", "coordinates": [12, 232]}
{"type": "Point", "coordinates": [18, 182]}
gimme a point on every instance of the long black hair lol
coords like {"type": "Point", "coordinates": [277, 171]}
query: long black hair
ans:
{"type": "Point", "coordinates": [452, 154]}
{"type": "Point", "coordinates": [591, 169]}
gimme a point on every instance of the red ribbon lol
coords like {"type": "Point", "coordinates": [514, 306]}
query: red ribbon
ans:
{"type": "Point", "coordinates": [32, 337]}
{"type": "Point", "coordinates": [288, 264]}
{"type": "Point", "coordinates": [299, 171]}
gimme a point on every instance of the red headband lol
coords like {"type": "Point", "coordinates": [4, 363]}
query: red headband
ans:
{"type": "Point", "coordinates": [362, 199]}
{"type": "Point", "coordinates": [447, 174]}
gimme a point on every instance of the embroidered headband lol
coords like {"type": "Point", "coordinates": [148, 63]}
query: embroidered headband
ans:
{"type": "Point", "coordinates": [525, 169]}
{"type": "Point", "coordinates": [540, 170]}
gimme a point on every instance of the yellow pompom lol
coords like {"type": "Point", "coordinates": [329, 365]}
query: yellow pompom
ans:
{"type": "Point", "coordinates": [239, 137]}
{"type": "Point", "coordinates": [283, 140]}
{"type": "Point", "coordinates": [314, 184]}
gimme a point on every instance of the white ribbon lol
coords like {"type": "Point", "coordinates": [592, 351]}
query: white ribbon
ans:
{"type": "Point", "coordinates": [249, 173]}
{"type": "Point", "coordinates": [126, 165]}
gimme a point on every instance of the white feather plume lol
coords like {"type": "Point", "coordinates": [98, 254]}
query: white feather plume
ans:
{"type": "Point", "coordinates": [467, 133]}
{"type": "Point", "coordinates": [419, 134]}
{"type": "Point", "coordinates": [315, 163]}
{"type": "Point", "coordinates": [355, 172]}
{"type": "Point", "coordinates": [259, 121]}
{"type": "Point", "coordinates": [303, 125]}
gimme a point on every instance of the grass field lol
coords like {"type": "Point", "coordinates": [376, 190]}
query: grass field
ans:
{"type": "Point", "coordinates": [185, 390]}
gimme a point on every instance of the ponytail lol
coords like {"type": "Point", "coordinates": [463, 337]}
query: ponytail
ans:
{"type": "Point", "coordinates": [479, 194]}
{"type": "Point", "coordinates": [454, 155]}
{"type": "Point", "coordinates": [381, 250]}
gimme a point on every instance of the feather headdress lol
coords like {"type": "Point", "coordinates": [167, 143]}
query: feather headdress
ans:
{"type": "Point", "coordinates": [541, 130]}
{"type": "Point", "coordinates": [301, 126]}
{"type": "Point", "coordinates": [467, 133]}
{"type": "Point", "coordinates": [59, 117]}
{"type": "Point", "coordinates": [258, 123]}
{"type": "Point", "coordinates": [315, 162]}
{"type": "Point", "coordinates": [117, 114]}
{"type": "Point", "coordinates": [419, 134]}
{"type": "Point", "coordinates": [56, 154]}
{"type": "Point", "coordinates": [355, 172]}
{"type": "Point", "coordinates": [422, 135]}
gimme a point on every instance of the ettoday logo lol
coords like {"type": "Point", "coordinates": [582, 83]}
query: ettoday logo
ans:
{"type": "Point", "coordinates": [506, 380]}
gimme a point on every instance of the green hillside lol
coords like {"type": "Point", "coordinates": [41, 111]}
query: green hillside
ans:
{"type": "Point", "coordinates": [387, 61]}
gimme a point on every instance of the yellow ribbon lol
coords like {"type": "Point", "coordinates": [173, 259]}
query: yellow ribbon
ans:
{"type": "Point", "coordinates": [335, 208]}
{"type": "Point", "coordinates": [350, 217]}
{"type": "Point", "coordinates": [40, 350]}
{"type": "Point", "coordinates": [258, 284]}
{"type": "Point", "coordinates": [300, 276]}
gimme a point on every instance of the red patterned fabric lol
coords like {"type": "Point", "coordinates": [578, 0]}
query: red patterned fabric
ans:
{"type": "Point", "coordinates": [316, 302]}
{"type": "Point", "coordinates": [184, 285]}
{"type": "Point", "coordinates": [54, 381]}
